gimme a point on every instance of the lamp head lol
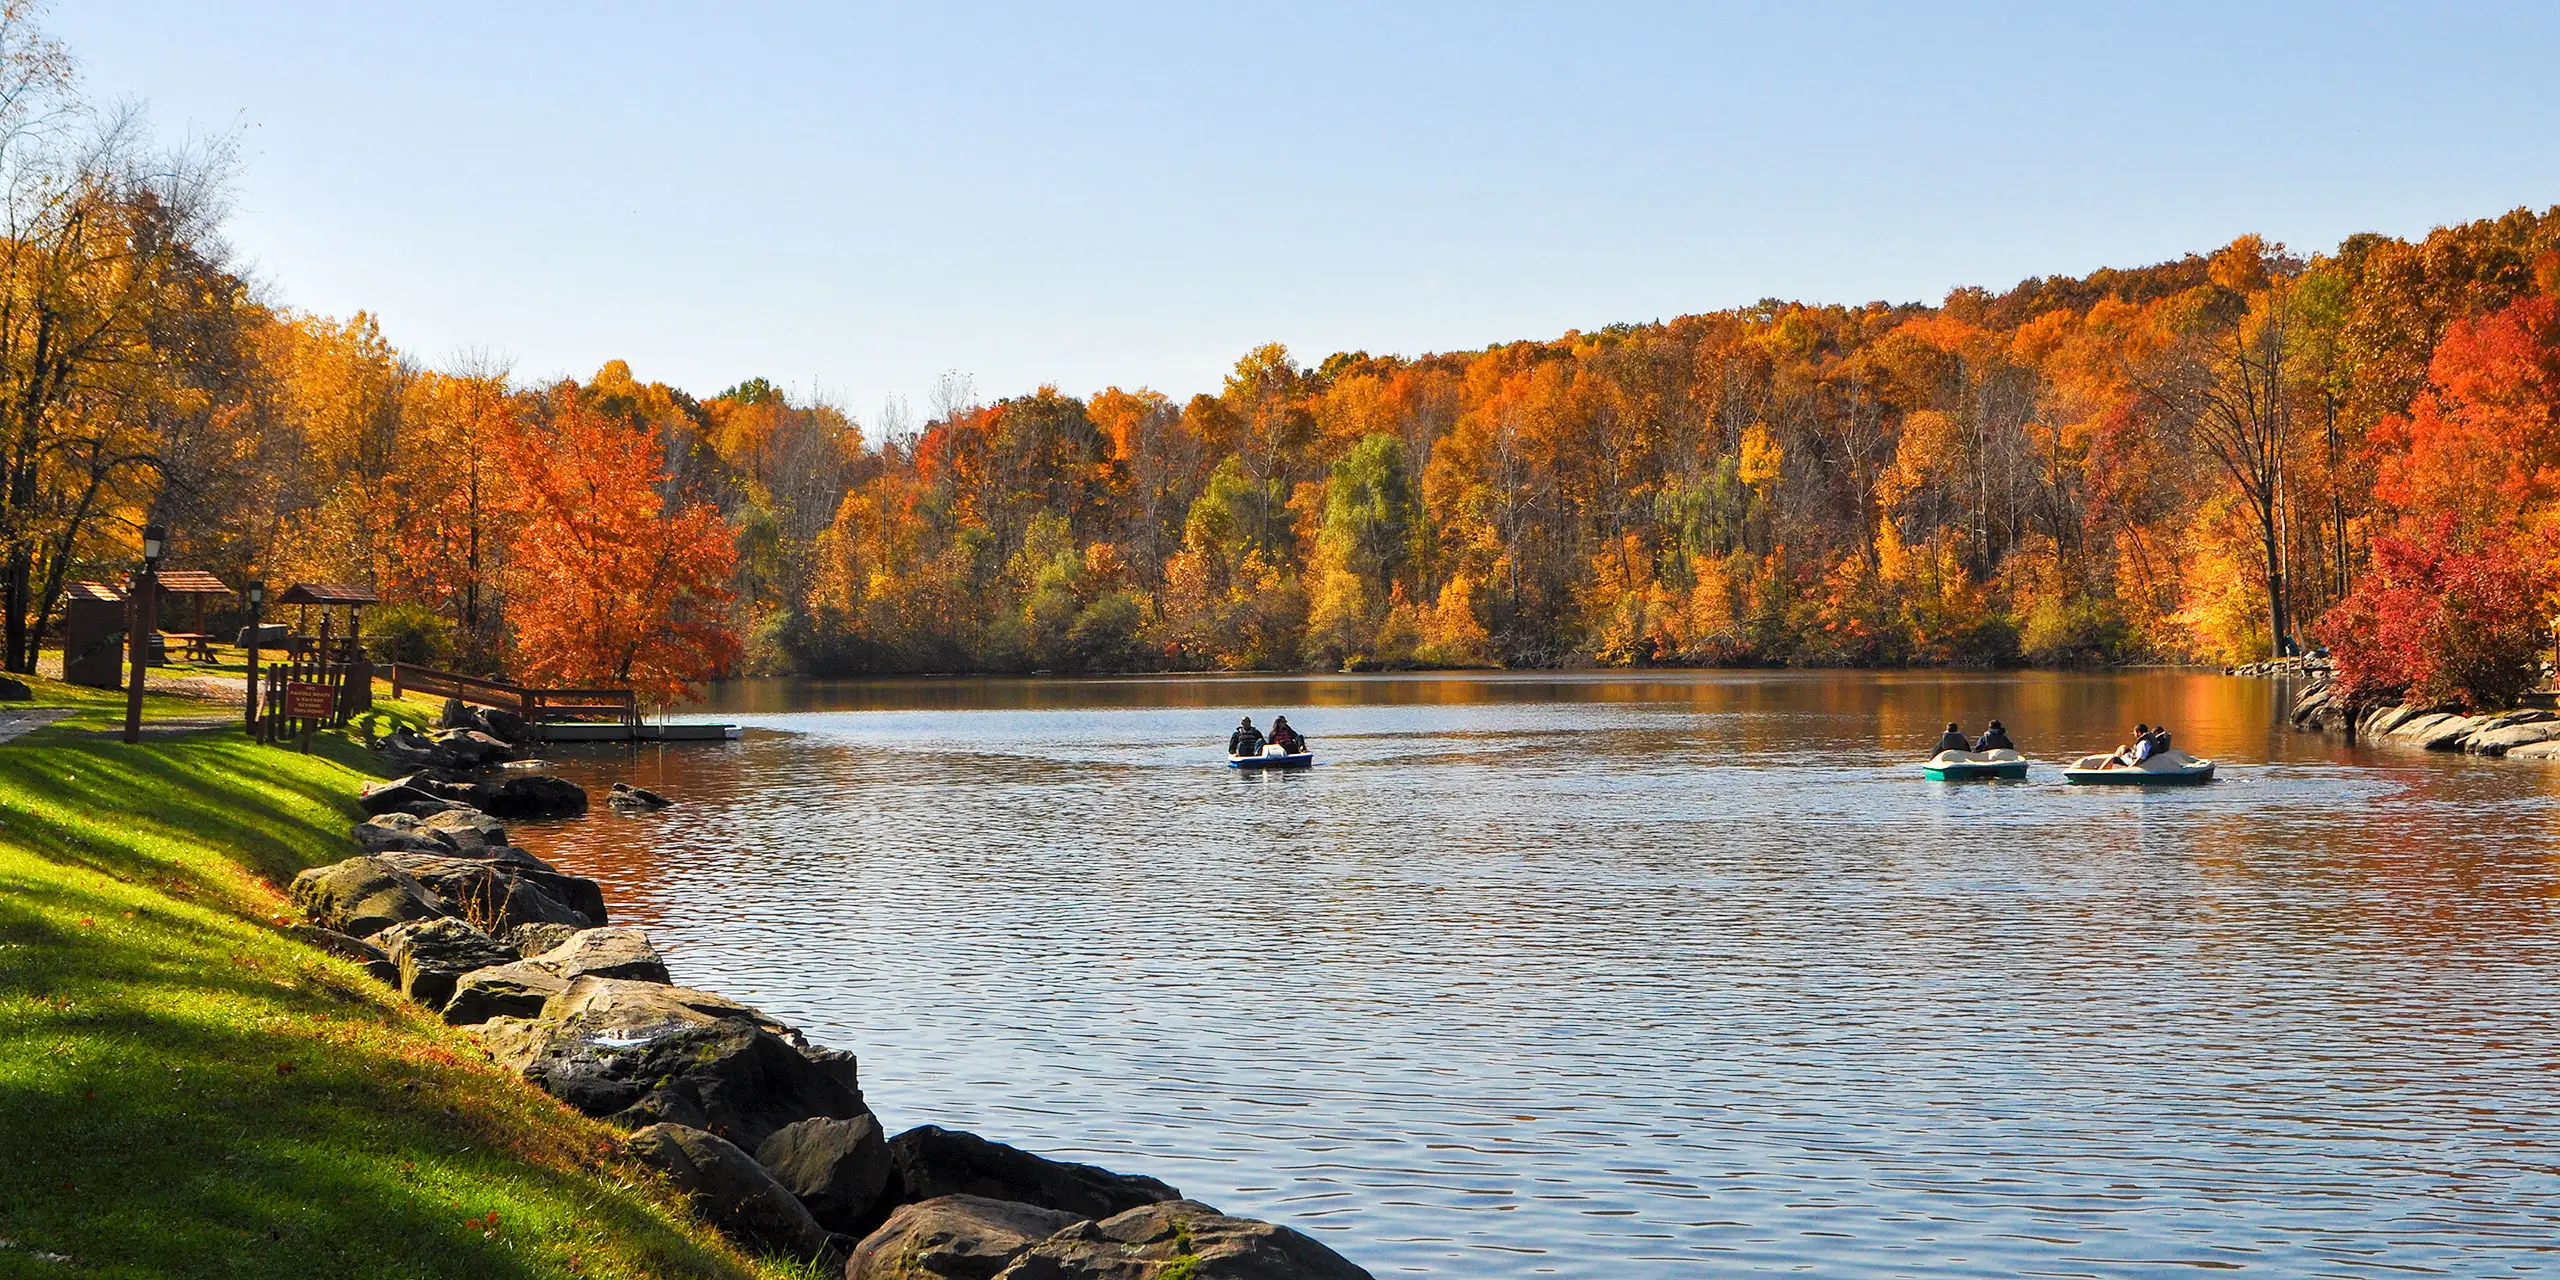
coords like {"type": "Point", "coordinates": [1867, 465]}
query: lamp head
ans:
{"type": "Point", "coordinates": [257, 594]}
{"type": "Point", "coordinates": [154, 541]}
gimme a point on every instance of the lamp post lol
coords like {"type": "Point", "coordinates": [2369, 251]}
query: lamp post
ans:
{"type": "Point", "coordinates": [257, 603]}
{"type": "Point", "coordinates": [146, 617]}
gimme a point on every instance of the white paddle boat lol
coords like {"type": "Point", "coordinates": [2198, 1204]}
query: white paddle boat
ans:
{"type": "Point", "coordinates": [2168, 768]}
{"type": "Point", "coordinates": [1273, 756]}
{"type": "Point", "coordinates": [1972, 766]}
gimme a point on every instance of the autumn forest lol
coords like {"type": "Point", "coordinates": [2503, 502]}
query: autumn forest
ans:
{"type": "Point", "coordinates": [2244, 452]}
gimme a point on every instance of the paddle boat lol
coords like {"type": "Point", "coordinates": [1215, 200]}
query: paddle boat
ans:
{"type": "Point", "coordinates": [2168, 768]}
{"type": "Point", "coordinates": [1973, 766]}
{"type": "Point", "coordinates": [1273, 756]}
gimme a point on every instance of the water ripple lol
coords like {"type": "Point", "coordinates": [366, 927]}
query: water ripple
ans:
{"type": "Point", "coordinates": [1554, 978]}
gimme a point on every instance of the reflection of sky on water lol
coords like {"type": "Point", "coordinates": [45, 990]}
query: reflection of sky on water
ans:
{"type": "Point", "coordinates": [1546, 975]}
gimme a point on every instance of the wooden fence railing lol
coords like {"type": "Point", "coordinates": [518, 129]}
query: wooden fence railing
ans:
{"type": "Point", "coordinates": [538, 706]}
{"type": "Point", "coordinates": [302, 696]}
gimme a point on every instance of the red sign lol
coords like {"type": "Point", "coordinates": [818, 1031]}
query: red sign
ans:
{"type": "Point", "coordinates": [310, 701]}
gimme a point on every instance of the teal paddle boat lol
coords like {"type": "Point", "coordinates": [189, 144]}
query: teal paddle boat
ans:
{"type": "Point", "coordinates": [1974, 766]}
{"type": "Point", "coordinates": [2170, 768]}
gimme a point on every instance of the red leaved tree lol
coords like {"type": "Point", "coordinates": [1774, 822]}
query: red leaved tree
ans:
{"type": "Point", "coordinates": [2483, 439]}
{"type": "Point", "coordinates": [607, 586]}
{"type": "Point", "coordinates": [2436, 621]}
{"type": "Point", "coordinates": [2454, 608]}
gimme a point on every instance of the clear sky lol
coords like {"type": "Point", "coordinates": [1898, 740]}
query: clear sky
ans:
{"type": "Point", "coordinates": [855, 198]}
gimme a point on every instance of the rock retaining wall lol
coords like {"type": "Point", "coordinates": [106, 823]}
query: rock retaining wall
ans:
{"type": "Point", "coordinates": [767, 1135]}
{"type": "Point", "coordinates": [2527, 733]}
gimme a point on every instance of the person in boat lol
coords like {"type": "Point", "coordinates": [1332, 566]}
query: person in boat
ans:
{"type": "Point", "coordinates": [1952, 740]}
{"type": "Point", "coordinates": [1995, 738]}
{"type": "Point", "coordinates": [2132, 756]}
{"type": "Point", "coordinates": [2160, 741]}
{"type": "Point", "coordinates": [1288, 739]}
{"type": "Point", "coordinates": [1246, 740]}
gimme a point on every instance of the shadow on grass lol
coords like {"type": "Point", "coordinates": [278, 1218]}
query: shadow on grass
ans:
{"type": "Point", "coordinates": [185, 1092]}
{"type": "Point", "coordinates": [280, 1121]}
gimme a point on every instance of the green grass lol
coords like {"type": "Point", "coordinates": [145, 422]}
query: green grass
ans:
{"type": "Point", "coordinates": [186, 1092]}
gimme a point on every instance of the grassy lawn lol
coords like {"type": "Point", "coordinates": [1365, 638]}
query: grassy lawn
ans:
{"type": "Point", "coordinates": [186, 1092]}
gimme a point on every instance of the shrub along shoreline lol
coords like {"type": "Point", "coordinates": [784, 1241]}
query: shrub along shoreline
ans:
{"type": "Point", "coordinates": [187, 1090]}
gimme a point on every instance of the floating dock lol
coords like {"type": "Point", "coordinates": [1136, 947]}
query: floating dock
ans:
{"type": "Point", "coordinates": [558, 731]}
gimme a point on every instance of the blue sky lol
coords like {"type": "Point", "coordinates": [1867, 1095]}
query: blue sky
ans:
{"type": "Point", "coordinates": [856, 198]}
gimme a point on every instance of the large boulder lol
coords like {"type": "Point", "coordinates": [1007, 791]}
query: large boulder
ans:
{"type": "Point", "coordinates": [517, 989]}
{"type": "Point", "coordinates": [364, 896]}
{"type": "Point", "coordinates": [415, 794]}
{"type": "Point", "coordinates": [627, 798]}
{"type": "Point", "coordinates": [466, 832]}
{"type": "Point", "coordinates": [347, 947]}
{"type": "Point", "coordinates": [535, 938]}
{"type": "Point", "coordinates": [472, 749]}
{"type": "Point", "coordinates": [930, 1161]}
{"type": "Point", "coordinates": [2507, 737]}
{"type": "Point", "coordinates": [727, 1187]}
{"type": "Point", "coordinates": [535, 795]}
{"type": "Point", "coordinates": [433, 956]}
{"type": "Point", "coordinates": [522, 989]}
{"type": "Point", "coordinates": [511, 888]}
{"type": "Point", "coordinates": [506, 726]}
{"type": "Point", "coordinates": [433, 790]}
{"type": "Point", "coordinates": [953, 1238]}
{"type": "Point", "coordinates": [640, 1052]}
{"type": "Point", "coordinates": [607, 953]}
{"type": "Point", "coordinates": [837, 1167]}
{"type": "Point", "coordinates": [1181, 1237]}
{"type": "Point", "coordinates": [2536, 751]}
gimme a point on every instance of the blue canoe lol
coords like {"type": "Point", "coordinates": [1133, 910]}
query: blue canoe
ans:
{"type": "Point", "coordinates": [1298, 761]}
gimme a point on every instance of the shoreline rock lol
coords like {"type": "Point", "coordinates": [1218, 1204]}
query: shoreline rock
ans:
{"type": "Point", "coordinates": [730, 1189]}
{"type": "Point", "coordinates": [2524, 733]}
{"type": "Point", "coordinates": [768, 1136]}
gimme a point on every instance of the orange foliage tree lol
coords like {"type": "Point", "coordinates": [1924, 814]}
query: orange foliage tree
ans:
{"type": "Point", "coordinates": [607, 585]}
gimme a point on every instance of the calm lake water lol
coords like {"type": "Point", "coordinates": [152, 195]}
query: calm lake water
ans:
{"type": "Point", "coordinates": [1658, 975]}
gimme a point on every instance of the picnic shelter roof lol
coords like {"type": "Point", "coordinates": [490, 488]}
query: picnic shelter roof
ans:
{"type": "Point", "coordinates": [328, 593]}
{"type": "Point", "coordinates": [192, 582]}
{"type": "Point", "coordinates": [99, 591]}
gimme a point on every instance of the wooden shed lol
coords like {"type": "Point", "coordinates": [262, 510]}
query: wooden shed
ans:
{"type": "Point", "coordinates": [93, 628]}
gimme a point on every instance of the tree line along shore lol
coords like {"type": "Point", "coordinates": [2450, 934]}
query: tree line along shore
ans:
{"type": "Point", "coordinates": [2232, 456]}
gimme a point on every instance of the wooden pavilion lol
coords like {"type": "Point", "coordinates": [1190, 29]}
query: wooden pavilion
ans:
{"type": "Point", "coordinates": [201, 586]}
{"type": "Point", "coordinates": [342, 657]}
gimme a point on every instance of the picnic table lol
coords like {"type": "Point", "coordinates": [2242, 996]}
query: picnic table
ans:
{"type": "Point", "coordinates": [198, 645]}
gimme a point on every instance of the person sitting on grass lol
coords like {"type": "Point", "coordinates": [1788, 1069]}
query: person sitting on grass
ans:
{"type": "Point", "coordinates": [1246, 740]}
{"type": "Point", "coordinates": [1953, 739]}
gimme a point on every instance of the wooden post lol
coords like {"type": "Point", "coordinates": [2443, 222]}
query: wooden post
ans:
{"type": "Point", "coordinates": [257, 601]}
{"type": "Point", "coordinates": [146, 586]}
{"type": "Point", "coordinates": [359, 682]}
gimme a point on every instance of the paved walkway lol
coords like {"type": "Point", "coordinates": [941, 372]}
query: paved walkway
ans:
{"type": "Point", "coordinates": [19, 721]}
{"type": "Point", "coordinates": [173, 726]}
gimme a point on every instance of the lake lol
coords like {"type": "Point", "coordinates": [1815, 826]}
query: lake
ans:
{"type": "Point", "coordinates": [1654, 974]}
